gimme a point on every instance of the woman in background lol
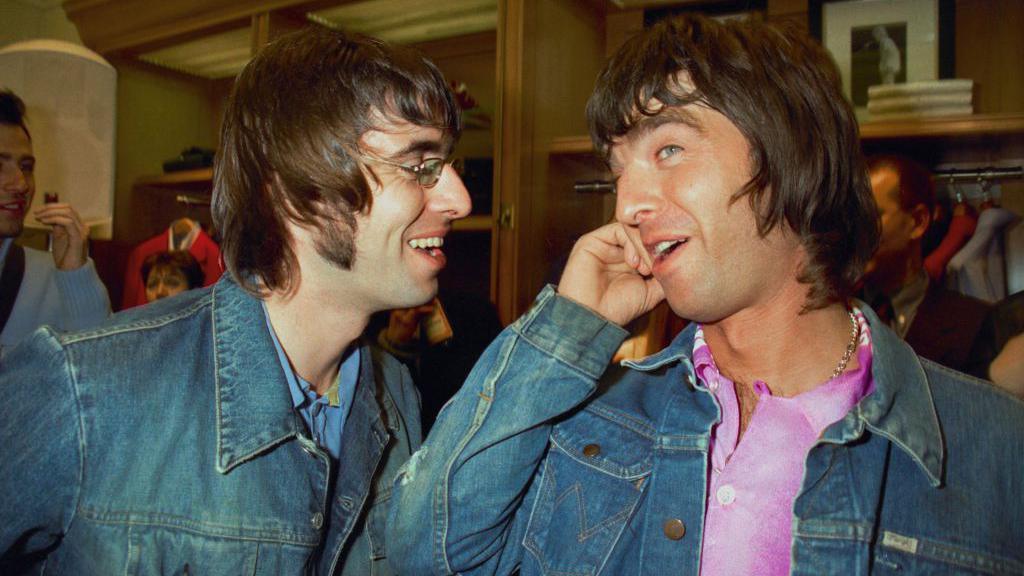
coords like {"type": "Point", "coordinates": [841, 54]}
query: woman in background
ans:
{"type": "Point", "coordinates": [168, 273]}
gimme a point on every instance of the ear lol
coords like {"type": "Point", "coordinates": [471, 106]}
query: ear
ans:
{"type": "Point", "coordinates": [922, 220]}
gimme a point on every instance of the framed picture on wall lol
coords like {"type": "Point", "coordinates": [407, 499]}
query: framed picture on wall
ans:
{"type": "Point", "coordinates": [885, 41]}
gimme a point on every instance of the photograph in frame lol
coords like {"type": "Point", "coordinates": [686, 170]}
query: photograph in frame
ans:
{"type": "Point", "coordinates": [884, 42]}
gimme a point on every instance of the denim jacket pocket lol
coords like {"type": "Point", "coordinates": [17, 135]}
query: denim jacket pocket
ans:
{"type": "Point", "coordinates": [158, 550]}
{"type": "Point", "coordinates": [591, 484]}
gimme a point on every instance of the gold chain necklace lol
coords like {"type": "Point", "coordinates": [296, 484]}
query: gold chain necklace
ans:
{"type": "Point", "coordinates": [854, 332]}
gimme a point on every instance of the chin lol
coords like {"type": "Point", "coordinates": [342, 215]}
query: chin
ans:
{"type": "Point", "coordinates": [418, 293]}
{"type": "Point", "coordinates": [690, 306]}
{"type": "Point", "coordinates": [10, 231]}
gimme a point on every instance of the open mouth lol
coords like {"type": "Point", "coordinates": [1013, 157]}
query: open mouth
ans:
{"type": "Point", "coordinates": [13, 207]}
{"type": "Point", "coordinates": [431, 245]}
{"type": "Point", "coordinates": [665, 248]}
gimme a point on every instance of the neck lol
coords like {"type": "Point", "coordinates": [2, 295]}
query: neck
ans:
{"type": "Point", "coordinates": [315, 330]}
{"type": "Point", "coordinates": [775, 343]}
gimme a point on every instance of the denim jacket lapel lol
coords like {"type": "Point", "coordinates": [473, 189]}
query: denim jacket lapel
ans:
{"type": "Point", "coordinates": [901, 408]}
{"type": "Point", "coordinates": [254, 409]}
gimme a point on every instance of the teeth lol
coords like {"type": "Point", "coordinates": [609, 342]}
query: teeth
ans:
{"type": "Point", "coordinates": [434, 242]}
{"type": "Point", "coordinates": [661, 247]}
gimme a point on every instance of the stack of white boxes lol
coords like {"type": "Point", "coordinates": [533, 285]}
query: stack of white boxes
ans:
{"type": "Point", "coordinates": [916, 100]}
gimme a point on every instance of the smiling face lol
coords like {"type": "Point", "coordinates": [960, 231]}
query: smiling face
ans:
{"type": "Point", "coordinates": [17, 183]}
{"type": "Point", "coordinates": [164, 281]}
{"type": "Point", "coordinates": [399, 239]}
{"type": "Point", "coordinates": [676, 175]}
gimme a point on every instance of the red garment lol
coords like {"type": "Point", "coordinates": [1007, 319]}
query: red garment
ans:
{"type": "Point", "coordinates": [204, 249]}
{"type": "Point", "coordinates": [961, 228]}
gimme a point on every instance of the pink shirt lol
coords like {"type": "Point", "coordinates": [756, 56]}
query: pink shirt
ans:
{"type": "Point", "coordinates": [751, 486]}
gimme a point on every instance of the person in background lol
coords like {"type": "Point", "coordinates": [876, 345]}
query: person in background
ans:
{"type": "Point", "coordinates": [247, 427]}
{"type": "Point", "coordinates": [168, 273]}
{"type": "Point", "coordinates": [939, 324]}
{"type": "Point", "coordinates": [60, 289]}
{"type": "Point", "coordinates": [1007, 369]}
{"type": "Point", "coordinates": [439, 367]}
{"type": "Point", "coordinates": [787, 430]}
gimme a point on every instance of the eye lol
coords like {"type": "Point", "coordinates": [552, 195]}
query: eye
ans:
{"type": "Point", "coordinates": [27, 167]}
{"type": "Point", "coordinates": [669, 150]}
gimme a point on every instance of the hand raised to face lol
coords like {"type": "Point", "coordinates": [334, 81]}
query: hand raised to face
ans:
{"type": "Point", "coordinates": [609, 274]}
{"type": "Point", "coordinates": [69, 234]}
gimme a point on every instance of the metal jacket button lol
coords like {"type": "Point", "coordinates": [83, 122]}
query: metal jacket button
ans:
{"type": "Point", "coordinates": [674, 529]}
{"type": "Point", "coordinates": [318, 520]}
{"type": "Point", "coordinates": [591, 450]}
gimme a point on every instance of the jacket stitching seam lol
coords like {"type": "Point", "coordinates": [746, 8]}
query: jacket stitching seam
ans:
{"type": "Point", "coordinates": [82, 448]}
{"type": "Point", "coordinates": [137, 325]}
{"type": "Point", "coordinates": [196, 528]}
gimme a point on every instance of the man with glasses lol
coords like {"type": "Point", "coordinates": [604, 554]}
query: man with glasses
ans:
{"type": "Point", "coordinates": [247, 428]}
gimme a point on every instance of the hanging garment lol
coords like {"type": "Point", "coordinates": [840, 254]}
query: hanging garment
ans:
{"type": "Point", "coordinates": [961, 228]}
{"type": "Point", "coordinates": [176, 237]}
{"type": "Point", "coordinates": [978, 269]}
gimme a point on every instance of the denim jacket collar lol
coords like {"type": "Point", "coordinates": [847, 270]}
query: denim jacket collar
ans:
{"type": "Point", "coordinates": [253, 405]}
{"type": "Point", "coordinates": [900, 409]}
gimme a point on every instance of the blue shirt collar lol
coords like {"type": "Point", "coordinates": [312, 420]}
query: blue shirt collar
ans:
{"type": "Point", "coordinates": [301, 390]}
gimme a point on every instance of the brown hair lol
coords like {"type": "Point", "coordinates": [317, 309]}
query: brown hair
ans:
{"type": "Point", "coordinates": [12, 111]}
{"type": "Point", "coordinates": [783, 92]}
{"type": "Point", "coordinates": [180, 260]}
{"type": "Point", "coordinates": [290, 132]}
{"type": "Point", "coordinates": [915, 181]}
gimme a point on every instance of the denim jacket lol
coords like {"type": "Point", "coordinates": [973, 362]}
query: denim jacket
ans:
{"type": "Point", "coordinates": [165, 442]}
{"type": "Point", "coordinates": [547, 462]}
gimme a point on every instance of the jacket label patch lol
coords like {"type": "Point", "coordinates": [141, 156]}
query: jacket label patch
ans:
{"type": "Point", "coordinates": [899, 542]}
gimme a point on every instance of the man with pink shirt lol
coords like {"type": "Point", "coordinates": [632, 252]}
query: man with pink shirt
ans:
{"type": "Point", "coordinates": [786, 430]}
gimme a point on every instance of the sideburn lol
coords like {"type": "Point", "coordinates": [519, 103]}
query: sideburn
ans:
{"type": "Point", "coordinates": [336, 240]}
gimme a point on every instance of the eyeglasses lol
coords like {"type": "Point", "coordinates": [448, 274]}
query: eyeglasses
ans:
{"type": "Point", "coordinates": [427, 173]}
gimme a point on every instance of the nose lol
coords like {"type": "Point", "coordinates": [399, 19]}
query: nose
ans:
{"type": "Point", "coordinates": [449, 196]}
{"type": "Point", "coordinates": [16, 180]}
{"type": "Point", "coordinates": [637, 197]}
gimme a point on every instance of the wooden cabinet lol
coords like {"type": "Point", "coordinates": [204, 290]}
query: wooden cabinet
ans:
{"type": "Point", "coordinates": [546, 56]}
{"type": "Point", "coordinates": [994, 135]}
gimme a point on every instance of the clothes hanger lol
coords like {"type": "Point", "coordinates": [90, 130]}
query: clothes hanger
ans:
{"type": "Point", "coordinates": [987, 200]}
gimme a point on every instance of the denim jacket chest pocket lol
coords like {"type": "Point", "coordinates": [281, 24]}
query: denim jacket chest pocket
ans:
{"type": "Point", "coordinates": [592, 482]}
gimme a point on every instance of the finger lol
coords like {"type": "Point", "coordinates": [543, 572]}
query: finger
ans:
{"type": "Point", "coordinates": [56, 209]}
{"type": "Point", "coordinates": [636, 245]}
{"type": "Point", "coordinates": [655, 292]}
{"type": "Point", "coordinates": [67, 224]}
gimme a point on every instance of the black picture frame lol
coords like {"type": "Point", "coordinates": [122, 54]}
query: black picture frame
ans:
{"type": "Point", "coordinates": [946, 31]}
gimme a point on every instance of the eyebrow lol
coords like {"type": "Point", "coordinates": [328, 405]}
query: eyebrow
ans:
{"type": "Point", "coordinates": [647, 124]}
{"type": "Point", "coordinates": [423, 146]}
{"type": "Point", "coordinates": [674, 115]}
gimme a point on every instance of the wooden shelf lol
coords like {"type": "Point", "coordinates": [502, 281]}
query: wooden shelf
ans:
{"type": "Point", "coordinates": [571, 145]}
{"type": "Point", "coordinates": [202, 177]}
{"type": "Point", "coordinates": [953, 126]}
{"type": "Point", "coordinates": [480, 223]}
